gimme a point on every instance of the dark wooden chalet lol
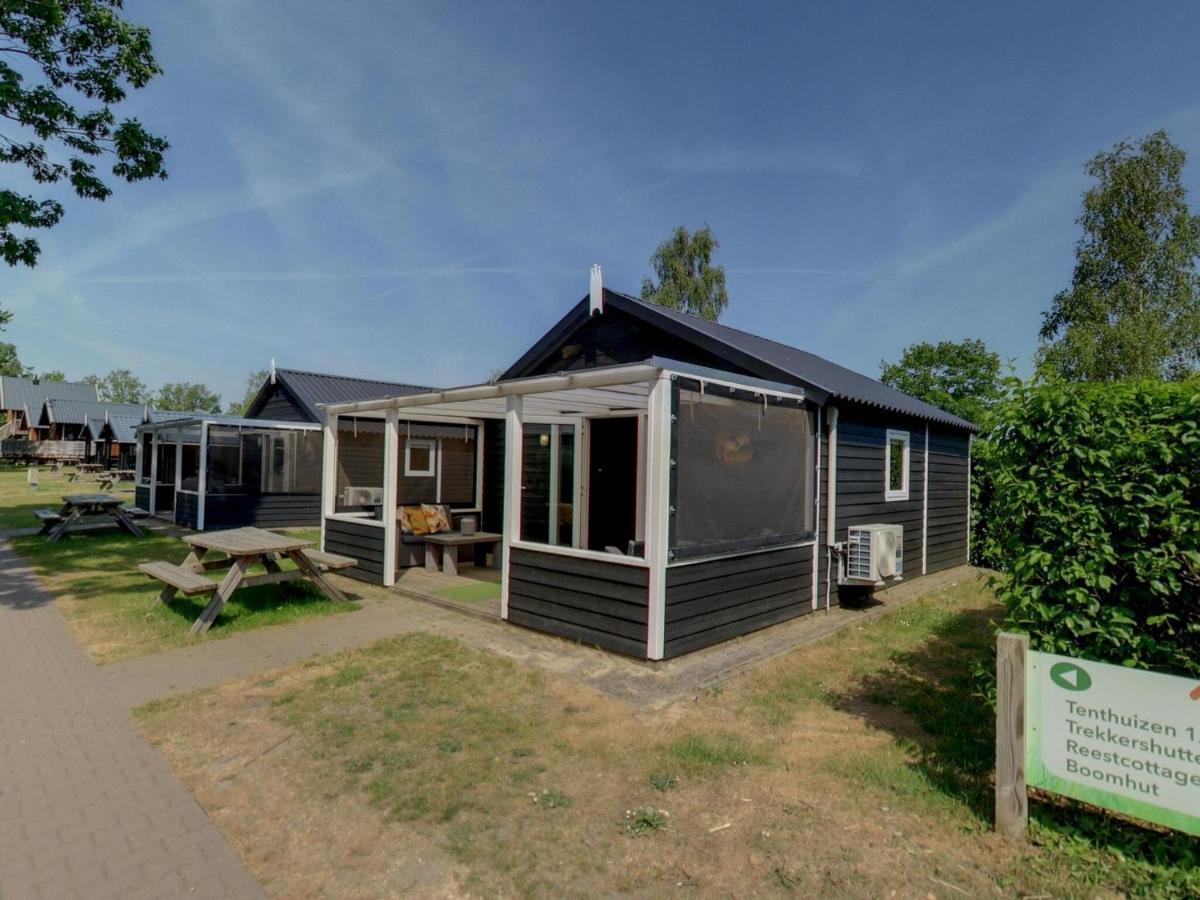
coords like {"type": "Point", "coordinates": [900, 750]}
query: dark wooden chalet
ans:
{"type": "Point", "coordinates": [663, 483]}
{"type": "Point", "coordinates": [211, 471]}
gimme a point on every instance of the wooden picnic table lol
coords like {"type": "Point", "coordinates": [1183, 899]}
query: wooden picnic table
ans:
{"type": "Point", "coordinates": [243, 547]}
{"type": "Point", "coordinates": [83, 507]}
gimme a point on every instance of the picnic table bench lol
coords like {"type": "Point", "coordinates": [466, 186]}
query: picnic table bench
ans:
{"type": "Point", "coordinates": [81, 507]}
{"type": "Point", "coordinates": [243, 547]}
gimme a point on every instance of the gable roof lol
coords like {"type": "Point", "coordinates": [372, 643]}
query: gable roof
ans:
{"type": "Point", "coordinates": [309, 389]}
{"type": "Point", "coordinates": [77, 412]}
{"type": "Point", "coordinates": [123, 428]}
{"type": "Point", "coordinates": [28, 395]}
{"type": "Point", "coordinates": [757, 355]}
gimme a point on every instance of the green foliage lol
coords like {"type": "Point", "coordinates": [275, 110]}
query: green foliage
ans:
{"type": "Point", "coordinates": [53, 375]}
{"type": "Point", "coordinates": [120, 386]}
{"type": "Point", "coordinates": [552, 798]}
{"type": "Point", "coordinates": [254, 383]}
{"type": "Point", "coordinates": [663, 781]}
{"type": "Point", "coordinates": [1096, 519]}
{"type": "Point", "coordinates": [687, 279]}
{"type": "Point", "coordinates": [87, 57]}
{"type": "Point", "coordinates": [644, 820]}
{"type": "Point", "coordinates": [1133, 308]}
{"type": "Point", "coordinates": [10, 364]}
{"type": "Point", "coordinates": [184, 396]}
{"type": "Point", "coordinates": [961, 377]}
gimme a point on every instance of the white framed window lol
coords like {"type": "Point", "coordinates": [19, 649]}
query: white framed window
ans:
{"type": "Point", "coordinates": [420, 458]}
{"type": "Point", "coordinates": [895, 465]}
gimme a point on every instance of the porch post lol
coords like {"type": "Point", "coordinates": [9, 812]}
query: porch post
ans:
{"type": "Point", "coordinates": [658, 498]}
{"type": "Point", "coordinates": [179, 481]}
{"type": "Point", "coordinates": [552, 531]}
{"type": "Point", "coordinates": [153, 470]}
{"type": "Point", "coordinates": [329, 452]}
{"type": "Point", "coordinates": [514, 433]}
{"type": "Point", "coordinates": [201, 476]}
{"type": "Point", "coordinates": [391, 460]}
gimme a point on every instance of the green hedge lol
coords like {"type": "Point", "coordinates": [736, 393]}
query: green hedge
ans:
{"type": "Point", "coordinates": [1094, 517]}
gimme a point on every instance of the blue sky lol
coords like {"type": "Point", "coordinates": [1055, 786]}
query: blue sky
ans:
{"type": "Point", "coordinates": [416, 191]}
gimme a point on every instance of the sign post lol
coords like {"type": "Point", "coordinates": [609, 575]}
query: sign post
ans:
{"type": "Point", "coordinates": [1123, 739]}
{"type": "Point", "coordinates": [1012, 800]}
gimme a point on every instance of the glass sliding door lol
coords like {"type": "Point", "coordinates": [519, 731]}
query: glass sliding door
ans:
{"type": "Point", "coordinates": [548, 484]}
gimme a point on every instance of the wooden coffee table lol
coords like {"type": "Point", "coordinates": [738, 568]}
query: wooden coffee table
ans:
{"type": "Point", "coordinates": [446, 546]}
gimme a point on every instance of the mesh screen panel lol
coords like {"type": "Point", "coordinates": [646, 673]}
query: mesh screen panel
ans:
{"type": "Point", "coordinates": [743, 476]}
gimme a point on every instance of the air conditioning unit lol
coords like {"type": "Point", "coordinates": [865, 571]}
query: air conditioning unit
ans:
{"type": "Point", "coordinates": [874, 554]}
{"type": "Point", "coordinates": [362, 496]}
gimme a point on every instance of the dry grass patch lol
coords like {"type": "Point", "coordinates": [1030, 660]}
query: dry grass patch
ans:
{"type": "Point", "coordinates": [419, 767]}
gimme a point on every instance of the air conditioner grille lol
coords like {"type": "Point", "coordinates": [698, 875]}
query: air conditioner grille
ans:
{"type": "Point", "coordinates": [858, 556]}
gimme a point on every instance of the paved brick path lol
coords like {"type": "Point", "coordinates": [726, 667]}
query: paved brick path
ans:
{"type": "Point", "coordinates": [87, 807]}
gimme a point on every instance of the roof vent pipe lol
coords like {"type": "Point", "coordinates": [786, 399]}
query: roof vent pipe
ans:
{"type": "Point", "coordinates": [596, 294]}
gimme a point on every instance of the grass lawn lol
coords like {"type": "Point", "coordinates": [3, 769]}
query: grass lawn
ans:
{"type": "Point", "coordinates": [110, 605]}
{"type": "Point", "coordinates": [17, 501]}
{"type": "Point", "coordinates": [478, 592]}
{"type": "Point", "coordinates": [855, 767]}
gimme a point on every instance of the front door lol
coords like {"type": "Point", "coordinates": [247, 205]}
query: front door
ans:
{"type": "Point", "coordinates": [612, 491]}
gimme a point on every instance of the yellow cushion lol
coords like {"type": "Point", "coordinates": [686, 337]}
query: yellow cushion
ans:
{"type": "Point", "coordinates": [435, 517]}
{"type": "Point", "coordinates": [417, 521]}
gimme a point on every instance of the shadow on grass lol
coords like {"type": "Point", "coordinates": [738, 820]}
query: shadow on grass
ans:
{"type": "Point", "coordinates": [101, 567]}
{"type": "Point", "coordinates": [940, 687]}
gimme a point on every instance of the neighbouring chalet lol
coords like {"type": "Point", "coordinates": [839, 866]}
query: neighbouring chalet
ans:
{"type": "Point", "coordinates": [22, 401]}
{"type": "Point", "coordinates": [209, 471]}
{"type": "Point", "coordinates": [659, 483]}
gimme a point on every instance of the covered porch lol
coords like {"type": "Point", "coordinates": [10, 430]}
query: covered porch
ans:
{"type": "Point", "coordinates": [650, 509]}
{"type": "Point", "coordinates": [224, 472]}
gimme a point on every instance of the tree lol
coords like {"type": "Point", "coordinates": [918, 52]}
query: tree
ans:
{"type": "Point", "coordinates": [1133, 308]}
{"type": "Point", "coordinates": [254, 383]}
{"type": "Point", "coordinates": [120, 386]}
{"type": "Point", "coordinates": [87, 57]}
{"type": "Point", "coordinates": [961, 377]}
{"type": "Point", "coordinates": [687, 279]}
{"type": "Point", "coordinates": [9, 363]}
{"type": "Point", "coordinates": [53, 375]}
{"type": "Point", "coordinates": [184, 396]}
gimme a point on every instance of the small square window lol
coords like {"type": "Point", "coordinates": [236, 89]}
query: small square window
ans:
{"type": "Point", "coordinates": [895, 466]}
{"type": "Point", "coordinates": [418, 458]}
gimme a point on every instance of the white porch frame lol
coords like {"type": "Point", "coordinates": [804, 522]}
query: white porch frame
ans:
{"type": "Point", "coordinates": [203, 424]}
{"type": "Point", "coordinates": [641, 390]}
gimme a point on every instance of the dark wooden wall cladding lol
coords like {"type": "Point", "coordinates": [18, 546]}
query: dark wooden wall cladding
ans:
{"type": "Point", "coordinates": [459, 458]}
{"type": "Point", "coordinates": [360, 459]}
{"type": "Point", "coordinates": [948, 490]}
{"type": "Point", "coordinates": [616, 338]}
{"type": "Point", "coordinates": [261, 510]}
{"type": "Point", "coordinates": [493, 476]}
{"type": "Point", "coordinates": [713, 601]}
{"type": "Point", "coordinates": [187, 509]}
{"type": "Point", "coordinates": [860, 478]}
{"type": "Point", "coordinates": [164, 499]}
{"type": "Point", "coordinates": [361, 541]}
{"type": "Point", "coordinates": [593, 601]}
{"type": "Point", "coordinates": [280, 407]}
{"type": "Point", "coordinates": [141, 497]}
